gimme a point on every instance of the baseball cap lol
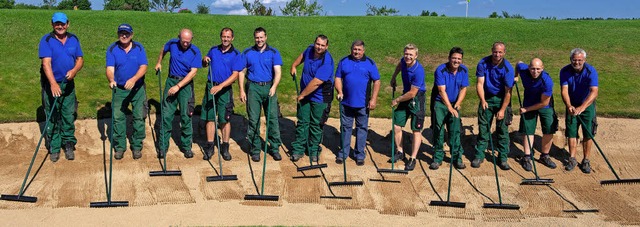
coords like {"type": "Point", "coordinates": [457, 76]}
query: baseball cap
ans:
{"type": "Point", "coordinates": [126, 28]}
{"type": "Point", "coordinates": [59, 17]}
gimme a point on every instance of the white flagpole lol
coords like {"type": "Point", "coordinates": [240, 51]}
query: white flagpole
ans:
{"type": "Point", "coordinates": [467, 12]}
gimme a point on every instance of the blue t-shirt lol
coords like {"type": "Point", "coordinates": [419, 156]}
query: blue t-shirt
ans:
{"type": "Point", "coordinates": [321, 68]}
{"type": "Point", "coordinates": [412, 76]}
{"type": "Point", "coordinates": [579, 83]}
{"type": "Point", "coordinates": [453, 82]}
{"type": "Point", "coordinates": [126, 65]}
{"type": "Point", "coordinates": [356, 77]}
{"type": "Point", "coordinates": [497, 77]}
{"type": "Point", "coordinates": [182, 61]}
{"type": "Point", "coordinates": [63, 56]}
{"type": "Point", "coordinates": [534, 88]}
{"type": "Point", "coordinates": [259, 65]}
{"type": "Point", "coordinates": [221, 63]}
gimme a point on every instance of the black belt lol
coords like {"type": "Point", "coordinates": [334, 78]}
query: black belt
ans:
{"type": "Point", "coordinates": [175, 77]}
{"type": "Point", "coordinates": [261, 83]}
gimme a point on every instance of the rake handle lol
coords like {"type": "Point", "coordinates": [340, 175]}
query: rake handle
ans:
{"type": "Point", "coordinates": [535, 169]}
{"type": "Point", "coordinates": [495, 169]}
{"type": "Point", "coordinates": [599, 150]}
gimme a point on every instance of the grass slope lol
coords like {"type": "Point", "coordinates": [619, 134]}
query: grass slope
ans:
{"type": "Point", "coordinates": [609, 44]}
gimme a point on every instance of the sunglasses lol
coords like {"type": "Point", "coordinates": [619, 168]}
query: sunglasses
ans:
{"type": "Point", "coordinates": [125, 34]}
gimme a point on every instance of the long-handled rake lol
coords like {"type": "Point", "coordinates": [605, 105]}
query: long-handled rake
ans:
{"type": "Point", "coordinates": [606, 182]}
{"type": "Point", "coordinates": [164, 171]}
{"type": "Point", "coordinates": [393, 143]}
{"type": "Point", "coordinates": [537, 180]}
{"type": "Point", "coordinates": [262, 196]}
{"type": "Point", "coordinates": [311, 153]}
{"type": "Point", "coordinates": [20, 197]}
{"type": "Point", "coordinates": [499, 205]}
{"type": "Point", "coordinates": [448, 203]}
{"type": "Point", "coordinates": [110, 203]}
{"type": "Point", "coordinates": [221, 176]}
{"type": "Point", "coordinates": [344, 162]}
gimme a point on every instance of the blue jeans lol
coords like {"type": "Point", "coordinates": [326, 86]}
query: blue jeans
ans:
{"type": "Point", "coordinates": [361, 116]}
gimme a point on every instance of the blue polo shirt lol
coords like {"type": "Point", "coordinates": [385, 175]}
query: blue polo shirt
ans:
{"type": "Point", "coordinates": [182, 61]}
{"type": "Point", "coordinates": [356, 77]}
{"type": "Point", "coordinates": [321, 68]}
{"type": "Point", "coordinates": [126, 64]}
{"type": "Point", "coordinates": [412, 76]}
{"type": "Point", "coordinates": [496, 76]}
{"type": "Point", "coordinates": [579, 83]}
{"type": "Point", "coordinates": [63, 56]}
{"type": "Point", "coordinates": [453, 82]}
{"type": "Point", "coordinates": [534, 88]}
{"type": "Point", "coordinates": [259, 65]}
{"type": "Point", "coordinates": [221, 63]}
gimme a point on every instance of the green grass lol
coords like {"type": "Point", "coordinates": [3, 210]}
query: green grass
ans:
{"type": "Point", "coordinates": [610, 46]}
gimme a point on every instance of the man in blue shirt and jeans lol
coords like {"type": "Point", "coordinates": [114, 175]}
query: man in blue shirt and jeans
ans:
{"type": "Point", "coordinates": [263, 65]}
{"type": "Point", "coordinates": [178, 91]}
{"type": "Point", "coordinates": [579, 85]}
{"type": "Point", "coordinates": [353, 85]}
{"type": "Point", "coordinates": [126, 66]}
{"type": "Point", "coordinates": [61, 57]}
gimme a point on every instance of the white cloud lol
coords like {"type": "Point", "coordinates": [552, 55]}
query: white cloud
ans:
{"type": "Point", "coordinates": [238, 12]}
{"type": "Point", "coordinates": [273, 1]}
{"type": "Point", "coordinates": [226, 3]}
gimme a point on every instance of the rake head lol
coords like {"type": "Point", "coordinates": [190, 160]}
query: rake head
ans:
{"type": "Point", "coordinates": [262, 197]}
{"type": "Point", "coordinates": [537, 181]}
{"type": "Point", "coordinates": [620, 181]}
{"type": "Point", "coordinates": [396, 171]}
{"type": "Point", "coordinates": [318, 166]}
{"type": "Point", "coordinates": [109, 204]}
{"type": "Point", "coordinates": [335, 197]}
{"type": "Point", "coordinates": [346, 183]}
{"type": "Point", "coordinates": [501, 206]}
{"type": "Point", "coordinates": [19, 198]}
{"type": "Point", "coordinates": [447, 204]}
{"type": "Point", "coordinates": [582, 211]}
{"type": "Point", "coordinates": [165, 173]}
{"type": "Point", "coordinates": [222, 178]}
{"type": "Point", "coordinates": [385, 180]}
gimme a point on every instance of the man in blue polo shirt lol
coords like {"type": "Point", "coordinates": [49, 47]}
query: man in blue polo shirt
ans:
{"type": "Point", "coordinates": [61, 57]}
{"type": "Point", "coordinates": [178, 91]}
{"type": "Point", "coordinates": [126, 66]}
{"type": "Point", "coordinates": [262, 64]}
{"type": "Point", "coordinates": [353, 85]}
{"type": "Point", "coordinates": [579, 84]}
{"type": "Point", "coordinates": [538, 101]}
{"type": "Point", "coordinates": [452, 80]}
{"type": "Point", "coordinates": [411, 104]}
{"type": "Point", "coordinates": [317, 92]}
{"type": "Point", "coordinates": [220, 78]}
{"type": "Point", "coordinates": [495, 80]}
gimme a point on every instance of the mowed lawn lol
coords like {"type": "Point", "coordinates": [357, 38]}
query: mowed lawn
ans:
{"type": "Point", "coordinates": [611, 47]}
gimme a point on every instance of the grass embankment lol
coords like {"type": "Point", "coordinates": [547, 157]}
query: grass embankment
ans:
{"type": "Point", "coordinates": [609, 46]}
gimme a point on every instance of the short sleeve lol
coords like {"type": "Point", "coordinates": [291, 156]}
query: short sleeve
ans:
{"type": "Point", "coordinates": [373, 71]}
{"type": "Point", "coordinates": [110, 59]}
{"type": "Point", "coordinates": [325, 71]}
{"type": "Point", "coordinates": [240, 63]}
{"type": "Point", "coordinates": [439, 78]}
{"type": "Point", "coordinates": [418, 79]}
{"type": "Point", "coordinates": [480, 69]}
{"type": "Point", "coordinates": [143, 56]}
{"type": "Point", "coordinates": [44, 51]}
{"type": "Point", "coordinates": [594, 78]}
{"type": "Point", "coordinates": [339, 70]}
{"type": "Point", "coordinates": [465, 76]}
{"type": "Point", "coordinates": [277, 59]}
{"type": "Point", "coordinates": [508, 78]}
{"type": "Point", "coordinates": [196, 62]}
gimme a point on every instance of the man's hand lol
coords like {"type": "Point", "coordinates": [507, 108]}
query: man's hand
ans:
{"type": "Point", "coordinates": [55, 90]}
{"type": "Point", "coordinates": [372, 104]}
{"type": "Point", "coordinates": [112, 84]}
{"type": "Point", "coordinates": [572, 110]}
{"type": "Point", "coordinates": [294, 71]}
{"type": "Point", "coordinates": [243, 97]}
{"type": "Point", "coordinates": [158, 67]}
{"type": "Point", "coordinates": [578, 110]}
{"type": "Point", "coordinates": [215, 89]}
{"type": "Point", "coordinates": [272, 91]}
{"type": "Point", "coordinates": [394, 102]}
{"type": "Point", "coordinates": [485, 105]}
{"type": "Point", "coordinates": [454, 112]}
{"type": "Point", "coordinates": [206, 59]}
{"type": "Point", "coordinates": [173, 90]}
{"type": "Point", "coordinates": [339, 97]}
{"type": "Point", "coordinates": [70, 75]}
{"type": "Point", "coordinates": [299, 98]}
{"type": "Point", "coordinates": [393, 82]}
{"type": "Point", "coordinates": [523, 110]}
{"type": "Point", "coordinates": [500, 114]}
{"type": "Point", "coordinates": [130, 83]}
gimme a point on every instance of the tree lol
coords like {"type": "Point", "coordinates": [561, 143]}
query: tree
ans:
{"type": "Point", "coordinates": [7, 4]}
{"type": "Point", "coordinates": [69, 4]}
{"type": "Point", "coordinates": [185, 10]}
{"type": "Point", "coordinates": [425, 13]}
{"type": "Point", "coordinates": [380, 11]}
{"type": "Point", "coordinates": [434, 14]}
{"type": "Point", "coordinates": [136, 5]}
{"type": "Point", "coordinates": [494, 15]}
{"type": "Point", "coordinates": [301, 8]}
{"type": "Point", "coordinates": [202, 8]}
{"type": "Point", "coordinates": [257, 8]}
{"type": "Point", "coordinates": [165, 5]}
{"type": "Point", "coordinates": [49, 4]}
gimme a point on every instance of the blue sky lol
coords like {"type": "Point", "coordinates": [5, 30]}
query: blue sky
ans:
{"type": "Point", "coordinates": [531, 9]}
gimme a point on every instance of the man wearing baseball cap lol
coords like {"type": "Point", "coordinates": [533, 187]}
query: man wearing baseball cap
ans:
{"type": "Point", "coordinates": [126, 66]}
{"type": "Point", "coordinates": [61, 58]}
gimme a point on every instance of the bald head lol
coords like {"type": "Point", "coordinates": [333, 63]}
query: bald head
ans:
{"type": "Point", "coordinates": [185, 38]}
{"type": "Point", "coordinates": [536, 67]}
{"type": "Point", "coordinates": [536, 62]}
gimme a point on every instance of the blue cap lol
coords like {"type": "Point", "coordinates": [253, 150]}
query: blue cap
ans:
{"type": "Point", "coordinates": [59, 17]}
{"type": "Point", "coordinates": [126, 28]}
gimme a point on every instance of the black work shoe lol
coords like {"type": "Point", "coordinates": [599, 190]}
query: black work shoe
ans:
{"type": "Point", "coordinates": [411, 164]}
{"type": "Point", "coordinates": [435, 165]}
{"type": "Point", "coordinates": [571, 164]}
{"type": "Point", "coordinates": [476, 162]}
{"type": "Point", "coordinates": [54, 156]}
{"type": "Point", "coordinates": [360, 162]}
{"type": "Point", "coordinates": [255, 157]}
{"type": "Point", "coordinates": [137, 154]}
{"type": "Point", "coordinates": [208, 151]}
{"type": "Point", "coordinates": [526, 163]}
{"type": "Point", "coordinates": [69, 148]}
{"type": "Point", "coordinates": [459, 165]}
{"type": "Point", "coordinates": [314, 158]}
{"type": "Point", "coordinates": [161, 154]}
{"type": "Point", "coordinates": [398, 156]}
{"type": "Point", "coordinates": [276, 156]}
{"type": "Point", "coordinates": [504, 165]}
{"type": "Point", "coordinates": [585, 166]}
{"type": "Point", "coordinates": [296, 157]}
{"type": "Point", "coordinates": [188, 154]}
{"type": "Point", "coordinates": [546, 160]}
{"type": "Point", "coordinates": [118, 155]}
{"type": "Point", "coordinates": [339, 160]}
{"type": "Point", "coordinates": [224, 151]}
